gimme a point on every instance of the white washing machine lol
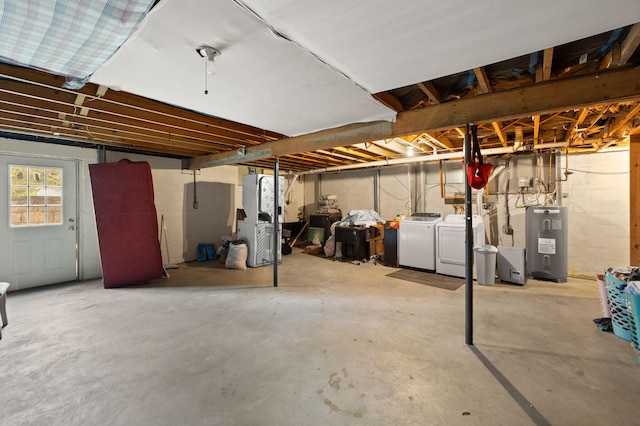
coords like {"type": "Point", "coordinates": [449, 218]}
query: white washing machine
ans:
{"type": "Point", "coordinates": [417, 241]}
{"type": "Point", "coordinates": [450, 243]}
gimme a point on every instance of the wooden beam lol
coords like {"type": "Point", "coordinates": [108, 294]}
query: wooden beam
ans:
{"type": "Point", "coordinates": [536, 129]}
{"type": "Point", "coordinates": [392, 145]}
{"type": "Point", "coordinates": [548, 97]}
{"type": "Point", "coordinates": [460, 131]}
{"type": "Point", "coordinates": [336, 154]}
{"type": "Point", "coordinates": [547, 62]}
{"type": "Point", "coordinates": [635, 111]}
{"type": "Point", "coordinates": [483, 80]}
{"type": "Point", "coordinates": [40, 97]}
{"type": "Point", "coordinates": [375, 149]}
{"type": "Point", "coordinates": [634, 200]}
{"type": "Point", "coordinates": [552, 96]}
{"type": "Point", "coordinates": [579, 120]}
{"type": "Point", "coordinates": [356, 153]}
{"type": "Point", "coordinates": [497, 126]}
{"type": "Point", "coordinates": [389, 101]}
{"type": "Point", "coordinates": [42, 85]}
{"type": "Point", "coordinates": [446, 143]}
{"type": "Point", "coordinates": [613, 57]}
{"type": "Point", "coordinates": [629, 44]}
{"type": "Point", "coordinates": [430, 90]}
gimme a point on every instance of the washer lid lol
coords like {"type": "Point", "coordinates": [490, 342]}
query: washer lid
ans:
{"type": "Point", "coordinates": [424, 217]}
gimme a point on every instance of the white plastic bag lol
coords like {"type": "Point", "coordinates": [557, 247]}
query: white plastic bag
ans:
{"type": "Point", "coordinates": [330, 246]}
{"type": "Point", "coordinates": [237, 256]}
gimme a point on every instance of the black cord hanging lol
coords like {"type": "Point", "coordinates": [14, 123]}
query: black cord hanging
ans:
{"type": "Point", "coordinates": [206, 78]}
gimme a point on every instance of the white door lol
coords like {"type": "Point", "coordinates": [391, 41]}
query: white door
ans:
{"type": "Point", "coordinates": [38, 226]}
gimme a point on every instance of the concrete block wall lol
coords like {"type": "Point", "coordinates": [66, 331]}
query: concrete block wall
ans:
{"type": "Point", "coordinates": [217, 193]}
{"type": "Point", "coordinates": [353, 188]}
{"type": "Point", "coordinates": [596, 195]}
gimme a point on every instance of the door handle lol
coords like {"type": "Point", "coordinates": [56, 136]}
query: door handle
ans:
{"type": "Point", "coordinates": [72, 228]}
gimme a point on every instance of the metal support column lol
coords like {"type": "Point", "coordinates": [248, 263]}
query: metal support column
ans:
{"type": "Point", "coordinates": [276, 227]}
{"type": "Point", "coordinates": [469, 244]}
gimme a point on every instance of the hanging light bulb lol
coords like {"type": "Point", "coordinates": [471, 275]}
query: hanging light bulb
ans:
{"type": "Point", "coordinates": [209, 53]}
{"type": "Point", "coordinates": [410, 151]}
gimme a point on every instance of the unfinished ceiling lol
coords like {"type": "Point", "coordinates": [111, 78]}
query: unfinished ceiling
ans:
{"type": "Point", "coordinates": [327, 85]}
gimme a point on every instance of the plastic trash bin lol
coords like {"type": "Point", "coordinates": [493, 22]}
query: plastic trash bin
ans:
{"type": "Point", "coordinates": [486, 264]}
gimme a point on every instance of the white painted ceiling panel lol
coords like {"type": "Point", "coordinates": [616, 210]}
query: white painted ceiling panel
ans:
{"type": "Point", "coordinates": [383, 45]}
{"type": "Point", "coordinates": [262, 79]}
{"type": "Point", "coordinates": [338, 52]}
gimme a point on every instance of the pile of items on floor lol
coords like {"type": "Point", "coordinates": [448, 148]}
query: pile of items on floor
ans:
{"type": "Point", "coordinates": [232, 253]}
{"type": "Point", "coordinates": [359, 236]}
{"type": "Point", "coordinates": [620, 301]}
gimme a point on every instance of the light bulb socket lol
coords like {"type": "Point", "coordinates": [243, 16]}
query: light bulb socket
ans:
{"type": "Point", "coordinates": [208, 52]}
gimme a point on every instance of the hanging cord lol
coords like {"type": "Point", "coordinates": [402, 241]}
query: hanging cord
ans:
{"type": "Point", "coordinates": [195, 194]}
{"type": "Point", "coordinates": [475, 146]}
{"type": "Point", "coordinates": [206, 77]}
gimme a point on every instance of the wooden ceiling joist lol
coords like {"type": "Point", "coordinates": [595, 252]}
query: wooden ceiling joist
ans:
{"type": "Point", "coordinates": [431, 91]}
{"type": "Point", "coordinates": [375, 149]}
{"type": "Point", "coordinates": [582, 115]}
{"type": "Point", "coordinates": [547, 62]}
{"type": "Point", "coordinates": [497, 126]}
{"type": "Point", "coordinates": [390, 101]}
{"type": "Point", "coordinates": [483, 81]}
{"type": "Point", "coordinates": [618, 126]}
{"type": "Point", "coordinates": [42, 99]}
{"type": "Point", "coordinates": [555, 95]}
{"type": "Point", "coordinates": [629, 44]}
{"type": "Point", "coordinates": [357, 152]}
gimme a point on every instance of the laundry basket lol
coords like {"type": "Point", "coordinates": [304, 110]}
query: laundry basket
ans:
{"type": "Point", "coordinates": [632, 292]}
{"type": "Point", "coordinates": [604, 297]}
{"type": "Point", "coordinates": [616, 280]}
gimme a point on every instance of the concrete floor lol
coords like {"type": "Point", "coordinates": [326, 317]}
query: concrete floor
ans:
{"type": "Point", "coordinates": [334, 344]}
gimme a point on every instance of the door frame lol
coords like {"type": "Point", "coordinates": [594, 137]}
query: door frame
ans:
{"type": "Point", "coordinates": [27, 158]}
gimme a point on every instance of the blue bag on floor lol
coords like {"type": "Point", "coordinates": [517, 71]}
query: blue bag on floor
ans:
{"type": "Point", "coordinates": [201, 254]}
{"type": "Point", "coordinates": [211, 251]}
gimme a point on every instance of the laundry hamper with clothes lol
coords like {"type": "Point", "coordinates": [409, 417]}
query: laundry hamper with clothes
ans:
{"type": "Point", "coordinates": [604, 297]}
{"type": "Point", "coordinates": [616, 280]}
{"type": "Point", "coordinates": [632, 292]}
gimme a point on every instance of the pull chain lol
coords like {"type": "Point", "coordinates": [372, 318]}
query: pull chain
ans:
{"type": "Point", "coordinates": [206, 78]}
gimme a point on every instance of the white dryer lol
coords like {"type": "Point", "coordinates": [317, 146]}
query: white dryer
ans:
{"type": "Point", "coordinates": [417, 241]}
{"type": "Point", "coordinates": [450, 243]}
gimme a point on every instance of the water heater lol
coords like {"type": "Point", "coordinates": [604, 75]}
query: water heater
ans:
{"type": "Point", "coordinates": [547, 241]}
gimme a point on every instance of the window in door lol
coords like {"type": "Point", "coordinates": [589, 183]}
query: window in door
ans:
{"type": "Point", "coordinates": [35, 196]}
